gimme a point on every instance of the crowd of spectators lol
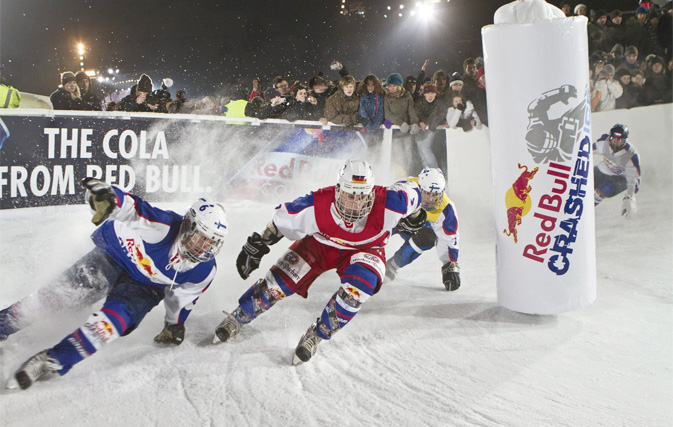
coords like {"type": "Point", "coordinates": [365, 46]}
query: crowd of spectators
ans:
{"type": "Point", "coordinates": [630, 66]}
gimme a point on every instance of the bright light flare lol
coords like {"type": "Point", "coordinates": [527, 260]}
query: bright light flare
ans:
{"type": "Point", "coordinates": [80, 48]}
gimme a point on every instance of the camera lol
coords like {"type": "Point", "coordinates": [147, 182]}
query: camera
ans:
{"type": "Point", "coordinates": [152, 98]}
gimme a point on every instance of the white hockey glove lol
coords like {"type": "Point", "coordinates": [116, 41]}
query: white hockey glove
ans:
{"type": "Point", "coordinates": [171, 334]}
{"type": "Point", "coordinates": [101, 197]}
{"type": "Point", "coordinates": [629, 206]}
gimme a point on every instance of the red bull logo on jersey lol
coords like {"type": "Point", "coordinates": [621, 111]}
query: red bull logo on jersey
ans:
{"type": "Point", "coordinates": [143, 262]}
{"type": "Point", "coordinates": [518, 201]}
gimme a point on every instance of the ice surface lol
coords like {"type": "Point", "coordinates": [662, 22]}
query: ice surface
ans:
{"type": "Point", "coordinates": [414, 355]}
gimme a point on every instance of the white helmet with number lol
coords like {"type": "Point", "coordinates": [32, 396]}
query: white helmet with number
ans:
{"type": "Point", "coordinates": [432, 183]}
{"type": "Point", "coordinates": [202, 231]}
{"type": "Point", "coordinates": [355, 190]}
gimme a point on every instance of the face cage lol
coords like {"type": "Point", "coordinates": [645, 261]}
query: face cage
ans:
{"type": "Point", "coordinates": [433, 205]}
{"type": "Point", "coordinates": [346, 212]}
{"type": "Point", "coordinates": [617, 148]}
{"type": "Point", "coordinates": [196, 246]}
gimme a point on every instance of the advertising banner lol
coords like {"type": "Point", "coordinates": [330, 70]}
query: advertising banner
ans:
{"type": "Point", "coordinates": [539, 116]}
{"type": "Point", "coordinates": [44, 157]}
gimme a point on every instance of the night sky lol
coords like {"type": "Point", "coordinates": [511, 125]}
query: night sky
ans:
{"type": "Point", "coordinates": [208, 46]}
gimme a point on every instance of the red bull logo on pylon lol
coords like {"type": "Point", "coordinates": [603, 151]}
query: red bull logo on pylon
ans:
{"type": "Point", "coordinates": [517, 200]}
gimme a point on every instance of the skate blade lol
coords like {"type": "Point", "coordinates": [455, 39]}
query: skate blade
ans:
{"type": "Point", "coordinates": [296, 361]}
{"type": "Point", "coordinates": [216, 340]}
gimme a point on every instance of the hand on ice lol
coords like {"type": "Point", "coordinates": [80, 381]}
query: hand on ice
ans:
{"type": "Point", "coordinates": [171, 334]}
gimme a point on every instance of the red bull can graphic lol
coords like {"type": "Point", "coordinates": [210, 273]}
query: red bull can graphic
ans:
{"type": "Point", "coordinates": [518, 201]}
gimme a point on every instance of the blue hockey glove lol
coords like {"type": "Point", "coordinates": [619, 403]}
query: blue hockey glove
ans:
{"type": "Point", "coordinates": [171, 334]}
{"type": "Point", "coordinates": [101, 197]}
{"type": "Point", "coordinates": [451, 276]}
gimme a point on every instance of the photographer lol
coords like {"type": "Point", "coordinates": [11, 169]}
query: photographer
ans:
{"type": "Point", "coordinates": [142, 99]}
{"type": "Point", "coordinates": [609, 88]}
{"type": "Point", "coordinates": [302, 106]}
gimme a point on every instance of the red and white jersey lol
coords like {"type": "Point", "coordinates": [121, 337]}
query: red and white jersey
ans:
{"type": "Point", "coordinates": [315, 214]}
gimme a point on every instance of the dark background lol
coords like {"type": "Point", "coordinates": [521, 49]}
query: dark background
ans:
{"type": "Point", "coordinates": [206, 46]}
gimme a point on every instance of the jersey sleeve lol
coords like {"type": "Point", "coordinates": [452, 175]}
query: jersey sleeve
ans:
{"type": "Point", "coordinates": [296, 219]}
{"type": "Point", "coordinates": [180, 300]}
{"type": "Point", "coordinates": [151, 223]}
{"type": "Point", "coordinates": [403, 197]}
{"type": "Point", "coordinates": [446, 229]}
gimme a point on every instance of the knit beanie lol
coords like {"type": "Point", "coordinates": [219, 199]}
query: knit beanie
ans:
{"type": "Point", "coordinates": [81, 75]}
{"type": "Point", "coordinates": [455, 79]}
{"type": "Point", "coordinates": [631, 49]}
{"type": "Point", "coordinates": [429, 87]}
{"type": "Point", "coordinates": [394, 79]}
{"type": "Point", "coordinates": [577, 8]}
{"type": "Point", "coordinates": [144, 83]}
{"type": "Point", "coordinates": [66, 77]}
{"type": "Point", "coordinates": [609, 69]}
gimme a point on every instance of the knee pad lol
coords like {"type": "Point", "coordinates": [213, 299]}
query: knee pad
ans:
{"type": "Point", "coordinates": [424, 239]}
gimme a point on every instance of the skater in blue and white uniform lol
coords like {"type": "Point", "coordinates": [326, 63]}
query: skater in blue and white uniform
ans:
{"type": "Point", "coordinates": [617, 169]}
{"type": "Point", "coordinates": [143, 255]}
{"type": "Point", "coordinates": [344, 227]}
{"type": "Point", "coordinates": [440, 231]}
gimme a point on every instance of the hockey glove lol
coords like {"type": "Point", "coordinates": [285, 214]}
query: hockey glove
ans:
{"type": "Point", "coordinates": [413, 223]}
{"type": "Point", "coordinates": [101, 197]}
{"type": "Point", "coordinates": [629, 206]}
{"type": "Point", "coordinates": [451, 276]}
{"type": "Point", "coordinates": [250, 256]}
{"type": "Point", "coordinates": [171, 334]}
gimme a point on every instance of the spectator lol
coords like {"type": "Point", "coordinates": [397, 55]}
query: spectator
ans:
{"type": "Point", "coordinates": [282, 86]}
{"type": "Point", "coordinates": [256, 91]}
{"type": "Point", "coordinates": [609, 88]}
{"type": "Point", "coordinates": [399, 106]}
{"type": "Point", "coordinates": [598, 32]}
{"type": "Point", "coordinates": [664, 30]}
{"type": "Point", "coordinates": [595, 95]}
{"type": "Point", "coordinates": [630, 61]}
{"type": "Point", "coordinates": [616, 55]}
{"type": "Point", "coordinates": [9, 97]}
{"type": "Point", "coordinates": [273, 108]}
{"type": "Point", "coordinates": [321, 89]}
{"type": "Point", "coordinates": [411, 86]}
{"type": "Point", "coordinates": [479, 97]}
{"type": "Point", "coordinates": [139, 100]}
{"type": "Point", "coordinates": [342, 107]}
{"type": "Point", "coordinates": [638, 81]}
{"type": "Point", "coordinates": [430, 117]}
{"type": "Point", "coordinates": [470, 90]}
{"type": "Point", "coordinates": [580, 10]}
{"type": "Point", "coordinates": [371, 103]}
{"type": "Point", "coordinates": [639, 30]}
{"type": "Point", "coordinates": [67, 96]}
{"type": "Point", "coordinates": [461, 114]}
{"type": "Point", "coordinates": [566, 9]}
{"type": "Point", "coordinates": [456, 84]}
{"type": "Point", "coordinates": [629, 96]}
{"type": "Point", "coordinates": [91, 101]}
{"type": "Point", "coordinates": [658, 86]}
{"type": "Point", "coordinates": [180, 104]}
{"type": "Point", "coordinates": [111, 106]}
{"type": "Point", "coordinates": [302, 106]}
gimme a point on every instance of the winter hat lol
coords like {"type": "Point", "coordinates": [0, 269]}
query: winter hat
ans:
{"type": "Point", "coordinates": [641, 9]}
{"type": "Point", "coordinates": [609, 69]}
{"type": "Point", "coordinates": [618, 49]}
{"type": "Point", "coordinates": [394, 79]}
{"type": "Point", "coordinates": [271, 93]}
{"type": "Point", "coordinates": [599, 13]}
{"type": "Point", "coordinates": [455, 79]}
{"type": "Point", "coordinates": [429, 88]}
{"type": "Point", "coordinates": [631, 49]}
{"type": "Point", "coordinates": [81, 75]}
{"type": "Point", "coordinates": [66, 77]}
{"type": "Point", "coordinates": [622, 72]}
{"type": "Point", "coordinates": [144, 83]}
{"type": "Point", "coordinates": [657, 60]}
{"type": "Point", "coordinates": [577, 8]}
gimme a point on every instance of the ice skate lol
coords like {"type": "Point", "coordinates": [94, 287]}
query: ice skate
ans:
{"type": "Point", "coordinates": [308, 345]}
{"type": "Point", "coordinates": [227, 329]}
{"type": "Point", "coordinates": [391, 270]}
{"type": "Point", "coordinates": [33, 369]}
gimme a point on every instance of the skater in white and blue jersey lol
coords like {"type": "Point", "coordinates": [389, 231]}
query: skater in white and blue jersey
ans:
{"type": "Point", "coordinates": [143, 255]}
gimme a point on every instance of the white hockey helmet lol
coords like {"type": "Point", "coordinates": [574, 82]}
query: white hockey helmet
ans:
{"type": "Point", "coordinates": [202, 231]}
{"type": "Point", "coordinates": [355, 190]}
{"type": "Point", "coordinates": [432, 183]}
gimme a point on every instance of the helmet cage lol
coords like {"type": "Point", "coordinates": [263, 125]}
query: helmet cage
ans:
{"type": "Point", "coordinates": [202, 231]}
{"type": "Point", "coordinates": [354, 192]}
{"type": "Point", "coordinates": [432, 184]}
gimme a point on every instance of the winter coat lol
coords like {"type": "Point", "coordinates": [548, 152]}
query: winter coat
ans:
{"type": "Point", "coordinates": [9, 97]}
{"type": "Point", "coordinates": [658, 88]}
{"type": "Point", "coordinates": [342, 110]}
{"type": "Point", "coordinates": [430, 113]}
{"type": "Point", "coordinates": [457, 118]}
{"type": "Point", "coordinates": [61, 100]}
{"type": "Point", "coordinates": [91, 102]}
{"type": "Point", "coordinates": [322, 99]}
{"type": "Point", "coordinates": [399, 108]}
{"type": "Point", "coordinates": [371, 111]}
{"type": "Point", "coordinates": [610, 91]}
{"type": "Point", "coordinates": [297, 110]}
